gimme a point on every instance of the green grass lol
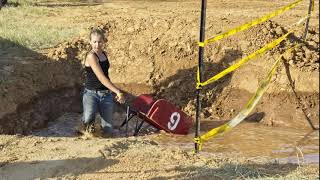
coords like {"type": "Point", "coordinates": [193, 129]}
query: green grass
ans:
{"type": "Point", "coordinates": [34, 27]}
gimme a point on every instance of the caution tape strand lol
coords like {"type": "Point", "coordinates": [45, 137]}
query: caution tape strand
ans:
{"type": "Point", "coordinates": [249, 25]}
{"type": "Point", "coordinates": [248, 108]}
{"type": "Point", "coordinates": [263, 86]}
{"type": "Point", "coordinates": [249, 57]}
{"type": "Point", "coordinates": [243, 61]}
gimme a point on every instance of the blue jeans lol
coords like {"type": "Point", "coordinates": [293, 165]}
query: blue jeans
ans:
{"type": "Point", "coordinates": [98, 101]}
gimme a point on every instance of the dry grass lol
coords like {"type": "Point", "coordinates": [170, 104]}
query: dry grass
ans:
{"type": "Point", "coordinates": [39, 26]}
{"type": "Point", "coordinates": [259, 168]}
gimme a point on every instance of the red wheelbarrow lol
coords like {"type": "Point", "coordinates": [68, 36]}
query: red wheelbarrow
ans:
{"type": "Point", "coordinates": [159, 113]}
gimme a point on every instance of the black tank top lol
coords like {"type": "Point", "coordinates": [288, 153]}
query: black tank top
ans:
{"type": "Point", "coordinates": [92, 82]}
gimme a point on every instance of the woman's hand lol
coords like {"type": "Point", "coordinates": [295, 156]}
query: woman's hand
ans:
{"type": "Point", "coordinates": [120, 98]}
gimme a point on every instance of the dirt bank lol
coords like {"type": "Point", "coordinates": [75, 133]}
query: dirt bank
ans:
{"type": "Point", "coordinates": [35, 90]}
{"type": "Point", "coordinates": [169, 66]}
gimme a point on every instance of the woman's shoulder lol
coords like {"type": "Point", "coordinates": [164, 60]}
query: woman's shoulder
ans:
{"type": "Point", "coordinates": [91, 55]}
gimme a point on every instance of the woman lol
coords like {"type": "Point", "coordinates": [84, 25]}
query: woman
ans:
{"type": "Point", "coordinates": [97, 96]}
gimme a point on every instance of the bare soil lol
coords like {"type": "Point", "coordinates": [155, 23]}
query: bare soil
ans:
{"type": "Point", "coordinates": [152, 47]}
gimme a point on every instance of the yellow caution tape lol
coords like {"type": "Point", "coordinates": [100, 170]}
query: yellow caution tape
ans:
{"type": "Point", "coordinates": [198, 85]}
{"type": "Point", "coordinates": [263, 86]}
{"type": "Point", "coordinates": [245, 112]}
{"type": "Point", "coordinates": [202, 44]}
{"type": "Point", "coordinates": [250, 24]}
{"type": "Point", "coordinates": [269, 46]}
{"type": "Point", "coordinates": [241, 62]}
{"type": "Point", "coordinates": [199, 141]}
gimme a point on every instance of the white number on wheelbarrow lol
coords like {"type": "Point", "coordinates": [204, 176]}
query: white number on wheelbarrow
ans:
{"type": "Point", "coordinates": [174, 121]}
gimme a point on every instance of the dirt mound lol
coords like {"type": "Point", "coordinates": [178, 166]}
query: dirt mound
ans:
{"type": "Point", "coordinates": [75, 49]}
{"type": "Point", "coordinates": [142, 49]}
{"type": "Point", "coordinates": [69, 50]}
{"type": "Point", "coordinates": [305, 56]}
{"type": "Point", "coordinates": [182, 48]}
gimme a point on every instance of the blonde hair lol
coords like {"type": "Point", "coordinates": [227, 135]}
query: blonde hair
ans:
{"type": "Point", "coordinates": [94, 31]}
{"type": "Point", "coordinates": [97, 31]}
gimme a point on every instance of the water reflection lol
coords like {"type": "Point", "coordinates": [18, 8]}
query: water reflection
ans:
{"type": "Point", "coordinates": [252, 140]}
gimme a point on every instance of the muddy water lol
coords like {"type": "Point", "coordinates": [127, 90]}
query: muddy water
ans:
{"type": "Point", "coordinates": [249, 139]}
{"type": "Point", "coordinates": [256, 140]}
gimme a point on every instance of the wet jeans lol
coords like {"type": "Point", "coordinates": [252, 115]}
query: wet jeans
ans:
{"type": "Point", "coordinates": [98, 101]}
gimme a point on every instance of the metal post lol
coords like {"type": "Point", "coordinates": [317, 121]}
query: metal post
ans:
{"type": "Point", "coordinates": [127, 120]}
{"type": "Point", "coordinates": [308, 19]}
{"type": "Point", "coordinates": [200, 66]}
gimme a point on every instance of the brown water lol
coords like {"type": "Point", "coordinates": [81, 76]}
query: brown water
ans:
{"type": "Point", "coordinates": [247, 139]}
{"type": "Point", "coordinates": [254, 140]}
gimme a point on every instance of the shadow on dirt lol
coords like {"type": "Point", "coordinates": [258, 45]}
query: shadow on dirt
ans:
{"type": "Point", "coordinates": [69, 4]}
{"type": "Point", "coordinates": [299, 40]}
{"type": "Point", "coordinates": [234, 171]}
{"type": "Point", "coordinates": [180, 89]}
{"type": "Point", "coordinates": [255, 117]}
{"type": "Point", "coordinates": [12, 52]}
{"type": "Point", "coordinates": [34, 89]}
{"type": "Point", "coordinates": [53, 168]}
{"type": "Point", "coordinates": [292, 86]}
{"type": "Point", "coordinates": [66, 3]}
{"type": "Point", "coordinates": [10, 4]}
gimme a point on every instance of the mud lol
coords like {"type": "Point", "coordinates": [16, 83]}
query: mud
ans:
{"type": "Point", "coordinates": [41, 110]}
{"type": "Point", "coordinates": [152, 48]}
{"type": "Point", "coordinates": [35, 90]}
{"type": "Point", "coordinates": [56, 153]}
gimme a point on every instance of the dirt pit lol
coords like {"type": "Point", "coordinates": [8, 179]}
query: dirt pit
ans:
{"type": "Point", "coordinates": [57, 152]}
{"type": "Point", "coordinates": [152, 49]}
